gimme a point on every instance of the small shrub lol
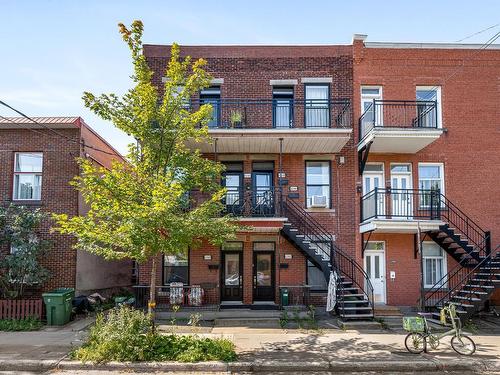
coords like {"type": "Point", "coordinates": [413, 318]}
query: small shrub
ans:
{"type": "Point", "coordinates": [27, 324]}
{"type": "Point", "coordinates": [127, 335]}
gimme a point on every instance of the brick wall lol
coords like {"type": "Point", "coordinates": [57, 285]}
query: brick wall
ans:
{"type": "Point", "coordinates": [59, 167]}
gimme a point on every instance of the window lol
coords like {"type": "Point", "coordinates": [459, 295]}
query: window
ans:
{"type": "Point", "coordinates": [175, 269]}
{"type": "Point", "coordinates": [232, 246]}
{"type": "Point", "coordinates": [317, 106]}
{"type": "Point", "coordinates": [428, 116]}
{"type": "Point", "coordinates": [315, 276]}
{"type": "Point", "coordinates": [434, 259]}
{"type": "Point", "coordinates": [28, 176]}
{"type": "Point", "coordinates": [317, 184]}
{"type": "Point", "coordinates": [430, 177]}
{"type": "Point", "coordinates": [263, 246]}
{"type": "Point", "coordinates": [370, 115]}
{"type": "Point", "coordinates": [211, 96]}
{"type": "Point", "coordinates": [283, 107]}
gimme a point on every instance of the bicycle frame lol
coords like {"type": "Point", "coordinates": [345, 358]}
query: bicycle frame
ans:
{"type": "Point", "coordinates": [450, 310]}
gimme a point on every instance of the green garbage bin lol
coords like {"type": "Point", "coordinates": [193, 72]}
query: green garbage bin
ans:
{"type": "Point", "coordinates": [284, 296]}
{"type": "Point", "coordinates": [58, 304]}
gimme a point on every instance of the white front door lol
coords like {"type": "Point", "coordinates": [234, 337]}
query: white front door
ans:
{"type": "Point", "coordinates": [401, 194]}
{"type": "Point", "coordinates": [375, 269]}
{"type": "Point", "coordinates": [373, 177]}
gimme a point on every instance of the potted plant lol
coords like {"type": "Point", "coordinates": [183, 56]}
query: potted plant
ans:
{"type": "Point", "coordinates": [20, 269]}
{"type": "Point", "coordinates": [235, 119]}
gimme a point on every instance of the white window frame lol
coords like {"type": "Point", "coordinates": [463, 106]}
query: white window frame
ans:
{"type": "Point", "coordinates": [438, 99]}
{"type": "Point", "coordinates": [444, 259]}
{"type": "Point", "coordinates": [18, 173]}
{"type": "Point", "coordinates": [369, 98]}
{"type": "Point", "coordinates": [441, 167]}
{"type": "Point", "coordinates": [329, 198]}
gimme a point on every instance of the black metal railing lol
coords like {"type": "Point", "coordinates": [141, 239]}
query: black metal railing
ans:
{"type": "Point", "coordinates": [344, 265]}
{"type": "Point", "coordinates": [277, 113]}
{"type": "Point", "coordinates": [390, 203]}
{"type": "Point", "coordinates": [257, 202]}
{"type": "Point", "coordinates": [177, 294]}
{"type": "Point", "coordinates": [398, 114]}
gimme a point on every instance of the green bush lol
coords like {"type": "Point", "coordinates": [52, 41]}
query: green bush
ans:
{"type": "Point", "coordinates": [27, 324]}
{"type": "Point", "coordinates": [125, 334]}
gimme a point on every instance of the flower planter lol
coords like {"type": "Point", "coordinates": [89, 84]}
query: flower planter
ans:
{"type": "Point", "coordinates": [20, 308]}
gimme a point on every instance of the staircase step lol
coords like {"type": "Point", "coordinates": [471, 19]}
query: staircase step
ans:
{"type": "Point", "coordinates": [353, 295]}
{"type": "Point", "coordinates": [355, 308]}
{"type": "Point", "coordinates": [472, 292]}
{"type": "Point", "coordinates": [479, 286]}
{"type": "Point", "coordinates": [356, 316]}
{"type": "Point", "coordinates": [467, 298]}
{"type": "Point", "coordinates": [354, 301]}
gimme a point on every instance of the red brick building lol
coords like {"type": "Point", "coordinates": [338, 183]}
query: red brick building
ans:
{"type": "Point", "coordinates": [337, 156]}
{"type": "Point", "coordinates": [37, 166]}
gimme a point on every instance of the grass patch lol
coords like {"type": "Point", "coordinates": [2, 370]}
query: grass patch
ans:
{"type": "Point", "coordinates": [27, 324]}
{"type": "Point", "coordinates": [125, 334]}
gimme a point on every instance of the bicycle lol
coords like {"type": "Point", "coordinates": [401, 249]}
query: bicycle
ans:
{"type": "Point", "coordinates": [420, 334]}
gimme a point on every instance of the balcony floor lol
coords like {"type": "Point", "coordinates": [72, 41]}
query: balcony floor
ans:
{"type": "Point", "coordinates": [324, 140]}
{"type": "Point", "coordinates": [399, 140]}
{"type": "Point", "coordinates": [399, 225]}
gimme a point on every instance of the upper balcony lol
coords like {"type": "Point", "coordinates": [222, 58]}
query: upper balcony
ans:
{"type": "Point", "coordinates": [274, 125]}
{"type": "Point", "coordinates": [399, 126]}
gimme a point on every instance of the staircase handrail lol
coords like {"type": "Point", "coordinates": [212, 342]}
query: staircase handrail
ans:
{"type": "Point", "coordinates": [309, 226]}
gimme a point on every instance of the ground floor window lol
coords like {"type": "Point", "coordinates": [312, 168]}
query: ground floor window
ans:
{"type": "Point", "coordinates": [434, 264]}
{"type": "Point", "coordinates": [315, 278]}
{"type": "Point", "coordinates": [175, 269]}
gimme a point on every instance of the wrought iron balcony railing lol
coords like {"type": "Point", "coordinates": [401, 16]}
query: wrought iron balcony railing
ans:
{"type": "Point", "coordinates": [398, 114]}
{"type": "Point", "coordinates": [258, 202]}
{"type": "Point", "coordinates": [277, 113]}
{"type": "Point", "coordinates": [382, 203]}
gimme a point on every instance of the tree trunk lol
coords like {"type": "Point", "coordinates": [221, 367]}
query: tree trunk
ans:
{"type": "Point", "coordinates": [152, 289]}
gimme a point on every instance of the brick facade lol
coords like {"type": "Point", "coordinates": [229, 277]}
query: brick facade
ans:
{"type": "Point", "coordinates": [468, 148]}
{"type": "Point", "coordinates": [58, 196]}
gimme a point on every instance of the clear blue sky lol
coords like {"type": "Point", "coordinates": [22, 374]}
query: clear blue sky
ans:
{"type": "Point", "coordinates": [52, 50]}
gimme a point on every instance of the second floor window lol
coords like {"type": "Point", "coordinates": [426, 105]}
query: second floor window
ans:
{"type": "Point", "coordinates": [428, 110]}
{"type": "Point", "coordinates": [317, 184]}
{"type": "Point", "coordinates": [317, 106]}
{"type": "Point", "coordinates": [28, 176]}
{"type": "Point", "coordinates": [430, 177]}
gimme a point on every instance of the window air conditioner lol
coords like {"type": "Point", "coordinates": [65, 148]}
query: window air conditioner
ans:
{"type": "Point", "coordinates": [318, 201]}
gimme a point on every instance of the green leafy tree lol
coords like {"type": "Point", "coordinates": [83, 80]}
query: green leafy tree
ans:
{"type": "Point", "coordinates": [141, 209]}
{"type": "Point", "coordinates": [19, 228]}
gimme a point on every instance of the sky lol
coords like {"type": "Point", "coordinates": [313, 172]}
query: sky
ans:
{"type": "Point", "coordinates": [54, 50]}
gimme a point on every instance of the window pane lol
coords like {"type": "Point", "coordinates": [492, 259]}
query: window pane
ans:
{"type": "Point", "coordinates": [400, 168]}
{"type": "Point", "coordinates": [377, 266]}
{"type": "Point", "coordinates": [267, 246]}
{"type": "Point", "coordinates": [431, 249]}
{"type": "Point", "coordinates": [369, 266]}
{"type": "Point", "coordinates": [429, 171]}
{"type": "Point", "coordinates": [232, 269]}
{"type": "Point", "coordinates": [318, 190]}
{"type": "Point", "coordinates": [373, 168]}
{"type": "Point", "coordinates": [426, 94]}
{"type": "Point", "coordinates": [175, 269]}
{"type": "Point", "coordinates": [27, 186]}
{"type": "Point", "coordinates": [318, 173]}
{"type": "Point", "coordinates": [232, 246]}
{"type": "Point", "coordinates": [370, 91]}
{"type": "Point", "coordinates": [29, 162]}
{"type": "Point", "coordinates": [317, 93]}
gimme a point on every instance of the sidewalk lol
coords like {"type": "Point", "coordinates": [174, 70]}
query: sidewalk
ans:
{"type": "Point", "coordinates": [265, 350]}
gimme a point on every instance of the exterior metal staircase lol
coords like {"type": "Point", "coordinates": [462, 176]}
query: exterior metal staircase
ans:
{"type": "Point", "coordinates": [477, 273]}
{"type": "Point", "coordinates": [354, 290]}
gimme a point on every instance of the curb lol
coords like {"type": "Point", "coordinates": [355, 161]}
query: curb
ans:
{"type": "Point", "coordinates": [427, 364]}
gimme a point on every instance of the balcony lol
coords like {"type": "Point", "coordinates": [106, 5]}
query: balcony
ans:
{"type": "Point", "coordinates": [399, 126]}
{"type": "Point", "coordinates": [401, 210]}
{"type": "Point", "coordinates": [271, 126]}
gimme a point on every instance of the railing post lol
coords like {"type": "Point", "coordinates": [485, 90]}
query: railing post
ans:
{"type": "Point", "coordinates": [376, 202]}
{"type": "Point", "coordinates": [432, 205]}
{"type": "Point", "coordinates": [487, 242]}
{"type": "Point", "coordinates": [438, 207]}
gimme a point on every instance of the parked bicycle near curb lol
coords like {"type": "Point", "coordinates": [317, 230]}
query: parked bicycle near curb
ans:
{"type": "Point", "coordinates": [420, 334]}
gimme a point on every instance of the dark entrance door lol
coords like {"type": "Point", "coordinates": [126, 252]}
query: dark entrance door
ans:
{"type": "Point", "coordinates": [232, 276]}
{"type": "Point", "coordinates": [263, 276]}
{"type": "Point", "coordinates": [263, 193]}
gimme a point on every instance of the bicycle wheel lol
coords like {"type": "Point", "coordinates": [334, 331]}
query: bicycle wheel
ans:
{"type": "Point", "coordinates": [463, 345]}
{"type": "Point", "coordinates": [415, 342]}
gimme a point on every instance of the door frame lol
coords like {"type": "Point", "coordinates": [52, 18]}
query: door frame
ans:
{"type": "Point", "coordinates": [381, 203]}
{"type": "Point", "coordinates": [384, 273]}
{"type": "Point", "coordinates": [241, 191]}
{"type": "Point", "coordinates": [223, 271]}
{"type": "Point", "coordinates": [271, 187]}
{"type": "Point", "coordinates": [273, 274]}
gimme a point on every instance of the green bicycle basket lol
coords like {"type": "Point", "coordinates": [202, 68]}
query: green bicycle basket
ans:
{"type": "Point", "coordinates": [414, 324]}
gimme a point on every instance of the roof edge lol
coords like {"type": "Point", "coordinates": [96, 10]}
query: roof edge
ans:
{"type": "Point", "coordinates": [412, 45]}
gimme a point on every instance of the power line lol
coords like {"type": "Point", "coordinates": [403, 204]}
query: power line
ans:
{"type": "Point", "coordinates": [477, 33]}
{"type": "Point", "coordinates": [82, 144]}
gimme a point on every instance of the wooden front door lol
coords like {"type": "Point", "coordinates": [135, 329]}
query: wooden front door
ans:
{"type": "Point", "coordinates": [263, 276]}
{"type": "Point", "coordinates": [232, 276]}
